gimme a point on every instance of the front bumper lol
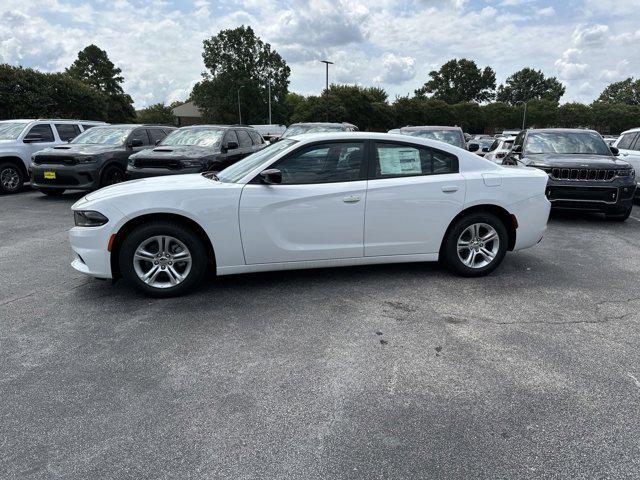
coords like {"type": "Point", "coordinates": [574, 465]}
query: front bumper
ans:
{"type": "Point", "coordinates": [607, 197]}
{"type": "Point", "coordinates": [135, 172]}
{"type": "Point", "coordinates": [90, 248]}
{"type": "Point", "coordinates": [69, 177]}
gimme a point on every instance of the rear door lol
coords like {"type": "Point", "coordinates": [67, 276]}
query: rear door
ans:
{"type": "Point", "coordinates": [316, 213]}
{"type": "Point", "coordinates": [246, 144]}
{"type": "Point", "coordinates": [629, 147]}
{"type": "Point", "coordinates": [413, 194]}
{"type": "Point", "coordinates": [232, 155]}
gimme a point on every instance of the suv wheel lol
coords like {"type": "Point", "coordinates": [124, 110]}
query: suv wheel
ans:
{"type": "Point", "coordinates": [52, 192]}
{"type": "Point", "coordinates": [112, 174]}
{"type": "Point", "coordinates": [163, 259]}
{"type": "Point", "coordinates": [475, 245]}
{"type": "Point", "coordinates": [11, 180]}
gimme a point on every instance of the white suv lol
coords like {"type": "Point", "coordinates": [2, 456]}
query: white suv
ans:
{"type": "Point", "coordinates": [628, 144]}
{"type": "Point", "coordinates": [19, 139]}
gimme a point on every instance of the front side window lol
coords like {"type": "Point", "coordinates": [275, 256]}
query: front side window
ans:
{"type": "Point", "coordinates": [67, 131]}
{"type": "Point", "coordinates": [627, 140]}
{"type": "Point", "coordinates": [11, 130]}
{"type": "Point", "coordinates": [241, 169]}
{"type": "Point", "coordinates": [43, 131]}
{"type": "Point", "coordinates": [141, 134]}
{"type": "Point", "coordinates": [566, 143]}
{"type": "Point", "coordinates": [323, 163]}
{"type": "Point", "coordinates": [232, 137]}
{"type": "Point", "coordinates": [397, 160]}
{"type": "Point", "coordinates": [103, 136]}
{"type": "Point", "coordinates": [245, 139]}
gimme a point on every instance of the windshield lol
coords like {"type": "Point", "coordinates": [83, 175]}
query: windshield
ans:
{"type": "Point", "coordinates": [11, 130]}
{"type": "Point", "coordinates": [103, 136]}
{"type": "Point", "coordinates": [566, 143]}
{"type": "Point", "coordinates": [238, 170]}
{"type": "Point", "coordinates": [483, 142]}
{"type": "Point", "coordinates": [300, 129]}
{"type": "Point", "coordinates": [451, 137]}
{"type": "Point", "coordinates": [201, 137]}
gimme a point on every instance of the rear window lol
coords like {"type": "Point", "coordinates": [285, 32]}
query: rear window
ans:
{"type": "Point", "coordinates": [43, 131]}
{"type": "Point", "coordinates": [244, 138]}
{"type": "Point", "coordinates": [255, 136]}
{"type": "Point", "coordinates": [67, 131]}
{"type": "Point", "coordinates": [626, 140]}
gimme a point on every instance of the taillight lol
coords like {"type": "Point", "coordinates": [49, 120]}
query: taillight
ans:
{"type": "Point", "coordinates": [501, 155]}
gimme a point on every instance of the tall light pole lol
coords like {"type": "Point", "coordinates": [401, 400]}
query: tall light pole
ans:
{"type": "Point", "coordinates": [269, 92]}
{"type": "Point", "coordinates": [239, 111]}
{"type": "Point", "coordinates": [327, 63]}
{"type": "Point", "coordinates": [524, 115]}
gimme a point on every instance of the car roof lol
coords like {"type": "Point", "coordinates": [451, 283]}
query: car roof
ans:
{"type": "Point", "coordinates": [568, 130]}
{"type": "Point", "coordinates": [221, 127]}
{"type": "Point", "coordinates": [72, 120]}
{"type": "Point", "coordinates": [631, 130]}
{"type": "Point", "coordinates": [414, 128]}
{"type": "Point", "coordinates": [328, 124]}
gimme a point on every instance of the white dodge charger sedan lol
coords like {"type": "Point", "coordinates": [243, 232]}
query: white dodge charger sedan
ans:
{"type": "Point", "coordinates": [311, 201]}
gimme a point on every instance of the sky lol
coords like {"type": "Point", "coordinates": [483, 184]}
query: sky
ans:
{"type": "Point", "coordinates": [393, 44]}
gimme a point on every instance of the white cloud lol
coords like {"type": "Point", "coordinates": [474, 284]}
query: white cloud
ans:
{"type": "Point", "coordinates": [396, 69]}
{"type": "Point", "coordinates": [546, 12]}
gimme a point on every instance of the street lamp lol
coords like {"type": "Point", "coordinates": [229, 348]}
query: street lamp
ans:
{"type": "Point", "coordinates": [327, 63]}
{"type": "Point", "coordinates": [524, 115]}
{"type": "Point", "coordinates": [239, 111]}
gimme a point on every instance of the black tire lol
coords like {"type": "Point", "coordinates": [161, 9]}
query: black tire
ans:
{"type": "Point", "coordinates": [111, 175]}
{"type": "Point", "coordinates": [619, 217]}
{"type": "Point", "coordinates": [450, 247]}
{"type": "Point", "coordinates": [11, 178]}
{"type": "Point", "coordinates": [195, 246]}
{"type": "Point", "coordinates": [52, 192]}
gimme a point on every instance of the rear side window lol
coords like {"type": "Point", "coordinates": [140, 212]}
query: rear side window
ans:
{"type": "Point", "coordinates": [87, 126]}
{"type": "Point", "coordinates": [245, 139]}
{"type": "Point", "coordinates": [67, 131]}
{"type": "Point", "coordinates": [324, 163]}
{"type": "Point", "coordinates": [255, 136]}
{"type": "Point", "coordinates": [141, 133]}
{"type": "Point", "coordinates": [626, 141]}
{"type": "Point", "coordinates": [43, 131]}
{"type": "Point", "coordinates": [399, 160]}
{"type": "Point", "coordinates": [156, 135]}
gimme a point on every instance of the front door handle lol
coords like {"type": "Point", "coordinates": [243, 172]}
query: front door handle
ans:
{"type": "Point", "coordinates": [351, 199]}
{"type": "Point", "coordinates": [450, 189]}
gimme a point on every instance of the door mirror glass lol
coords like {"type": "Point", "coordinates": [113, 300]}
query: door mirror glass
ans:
{"type": "Point", "coordinates": [232, 145]}
{"type": "Point", "coordinates": [474, 147]}
{"type": "Point", "coordinates": [271, 176]}
{"type": "Point", "coordinates": [136, 142]}
{"type": "Point", "coordinates": [614, 150]}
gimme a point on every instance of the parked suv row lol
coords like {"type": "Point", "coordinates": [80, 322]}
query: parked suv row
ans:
{"type": "Point", "coordinates": [20, 139]}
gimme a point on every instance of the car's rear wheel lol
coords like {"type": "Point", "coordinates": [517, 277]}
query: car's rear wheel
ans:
{"type": "Point", "coordinates": [163, 259]}
{"type": "Point", "coordinates": [52, 192]}
{"type": "Point", "coordinates": [476, 244]}
{"type": "Point", "coordinates": [11, 179]}
{"type": "Point", "coordinates": [112, 174]}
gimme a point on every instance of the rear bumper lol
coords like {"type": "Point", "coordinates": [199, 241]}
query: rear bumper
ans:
{"type": "Point", "coordinates": [532, 215]}
{"type": "Point", "coordinates": [135, 173]}
{"type": "Point", "coordinates": [76, 177]}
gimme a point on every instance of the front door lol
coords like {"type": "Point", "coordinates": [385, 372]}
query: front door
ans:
{"type": "Point", "coordinates": [412, 195]}
{"type": "Point", "coordinates": [316, 213]}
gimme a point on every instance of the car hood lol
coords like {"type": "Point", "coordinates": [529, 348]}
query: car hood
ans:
{"type": "Point", "coordinates": [70, 149]}
{"type": "Point", "coordinates": [575, 161]}
{"type": "Point", "coordinates": [182, 151]}
{"type": "Point", "coordinates": [153, 184]}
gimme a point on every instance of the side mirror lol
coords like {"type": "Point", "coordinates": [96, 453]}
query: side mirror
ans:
{"type": "Point", "coordinates": [485, 149]}
{"type": "Point", "coordinates": [271, 176]}
{"type": "Point", "coordinates": [135, 142]}
{"type": "Point", "coordinates": [614, 150]}
{"type": "Point", "coordinates": [232, 145]}
{"type": "Point", "coordinates": [32, 138]}
{"type": "Point", "coordinates": [158, 142]}
{"type": "Point", "coordinates": [474, 147]}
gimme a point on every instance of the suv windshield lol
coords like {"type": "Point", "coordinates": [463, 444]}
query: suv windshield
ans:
{"type": "Point", "coordinates": [237, 171]}
{"type": "Point", "coordinates": [11, 130]}
{"type": "Point", "coordinates": [566, 143]}
{"type": "Point", "coordinates": [451, 137]}
{"type": "Point", "coordinates": [104, 135]}
{"type": "Point", "coordinates": [201, 137]}
{"type": "Point", "coordinates": [300, 129]}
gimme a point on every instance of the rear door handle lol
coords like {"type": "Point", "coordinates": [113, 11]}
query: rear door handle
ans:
{"type": "Point", "coordinates": [450, 189]}
{"type": "Point", "coordinates": [351, 199]}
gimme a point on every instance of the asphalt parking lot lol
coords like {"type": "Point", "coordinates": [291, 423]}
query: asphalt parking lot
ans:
{"type": "Point", "coordinates": [398, 372]}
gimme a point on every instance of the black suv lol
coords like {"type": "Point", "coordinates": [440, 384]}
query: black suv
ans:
{"type": "Point", "coordinates": [584, 173]}
{"type": "Point", "coordinates": [94, 159]}
{"type": "Point", "coordinates": [196, 149]}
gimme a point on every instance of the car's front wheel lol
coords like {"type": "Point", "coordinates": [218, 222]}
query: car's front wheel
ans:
{"type": "Point", "coordinates": [476, 244]}
{"type": "Point", "coordinates": [163, 259]}
{"type": "Point", "coordinates": [11, 180]}
{"type": "Point", "coordinates": [112, 174]}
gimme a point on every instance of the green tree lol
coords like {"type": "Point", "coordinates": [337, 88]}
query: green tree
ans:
{"type": "Point", "coordinates": [423, 111]}
{"type": "Point", "coordinates": [158, 113]}
{"type": "Point", "coordinates": [94, 68]}
{"type": "Point", "coordinates": [460, 81]}
{"type": "Point", "coordinates": [615, 117]}
{"type": "Point", "coordinates": [469, 117]}
{"type": "Point", "coordinates": [238, 58]}
{"type": "Point", "coordinates": [572, 115]}
{"type": "Point", "coordinates": [626, 91]}
{"type": "Point", "coordinates": [528, 84]}
{"type": "Point", "coordinates": [499, 115]}
{"type": "Point", "coordinates": [540, 113]}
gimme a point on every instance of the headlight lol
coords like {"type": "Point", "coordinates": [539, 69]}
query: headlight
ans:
{"type": "Point", "coordinates": [85, 159]}
{"type": "Point", "coordinates": [89, 218]}
{"type": "Point", "coordinates": [626, 173]}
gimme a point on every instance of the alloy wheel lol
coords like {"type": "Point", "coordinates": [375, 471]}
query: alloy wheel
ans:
{"type": "Point", "coordinates": [10, 179]}
{"type": "Point", "coordinates": [478, 245]}
{"type": "Point", "coordinates": [162, 261]}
